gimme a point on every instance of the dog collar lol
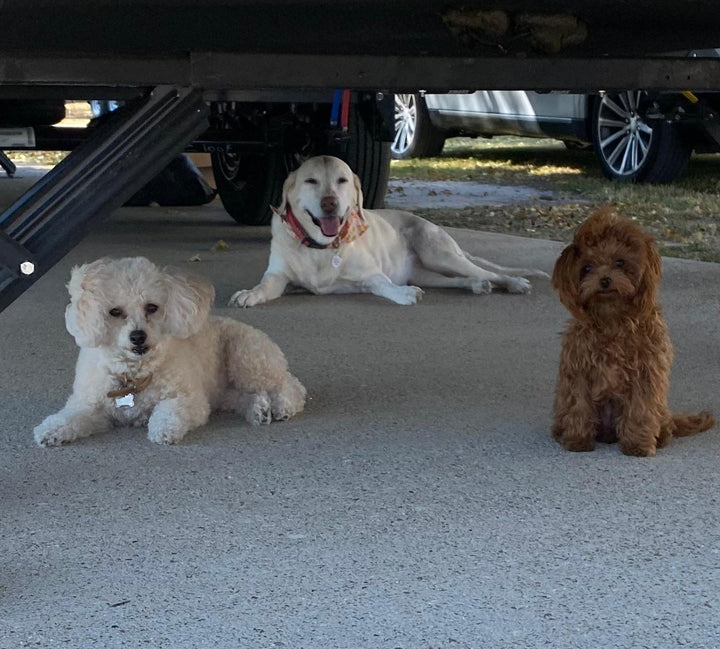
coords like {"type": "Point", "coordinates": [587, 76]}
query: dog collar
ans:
{"type": "Point", "coordinates": [353, 228]}
{"type": "Point", "coordinates": [129, 385]}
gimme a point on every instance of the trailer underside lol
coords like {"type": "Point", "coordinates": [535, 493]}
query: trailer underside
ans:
{"type": "Point", "coordinates": [168, 59]}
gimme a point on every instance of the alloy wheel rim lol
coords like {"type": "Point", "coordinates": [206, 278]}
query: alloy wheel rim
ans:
{"type": "Point", "coordinates": [405, 123]}
{"type": "Point", "coordinates": [624, 137]}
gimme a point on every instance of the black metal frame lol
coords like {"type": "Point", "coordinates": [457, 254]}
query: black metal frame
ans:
{"type": "Point", "coordinates": [7, 165]}
{"type": "Point", "coordinates": [233, 75]}
{"type": "Point", "coordinates": [176, 56]}
{"type": "Point", "coordinates": [96, 178]}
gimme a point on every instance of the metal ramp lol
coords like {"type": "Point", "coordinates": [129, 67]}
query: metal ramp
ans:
{"type": "Point", "coordinates": [136, 143]}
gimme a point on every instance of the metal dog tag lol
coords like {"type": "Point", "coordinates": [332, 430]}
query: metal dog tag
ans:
{"type": "Point", "coordinates": [128, 401]}
{"type": "Point", "coordinates": [336, 261]}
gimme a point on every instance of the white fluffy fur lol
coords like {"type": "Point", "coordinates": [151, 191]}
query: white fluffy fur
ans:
{"type": "Point", "coordinates": [399, 253]}
{"type": "Point", "coordinates": [198, 363]}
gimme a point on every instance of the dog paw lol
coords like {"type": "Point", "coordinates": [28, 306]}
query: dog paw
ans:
{"type": "Point", "coordinates": [166, 427]}
{"type": "Point", "coordinates": [481, 286]}
{"type": "Point", "coordinates": [518, 285]}
{"type": "Point", "coordinates": [259, 410]}
{"type": "Point", "coordinates": [636, 450]}
{"type": "Point", "coordinates": [286, 410]}
{"type": "Point", "coordinates": [578, 445]}
{"type": "Point", "coordinates": [159, 435]}
{"type": "Point", "coordinates": [50, 435]}
{"type": "Point", "coordinates": [58, 429]}
{"type": "Point", "coordinates": [406, 295]}
{"type": "Point", "coordinates": [243, 299]}
{"type": "Point", "coordinates": [289, 401]}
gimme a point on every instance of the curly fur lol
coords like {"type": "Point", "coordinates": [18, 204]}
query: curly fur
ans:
{"type": "Point", "coordinates": [198, 363]}
{"type": "Point", "coordinates": [616, 352]}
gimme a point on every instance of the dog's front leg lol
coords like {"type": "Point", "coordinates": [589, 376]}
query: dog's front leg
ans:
{"type": "Point", "coordinates": [383, 286]}
{"type": "Point", "coordinates": [271, 287]}
{"type": "Point", "coordinates": [174, 418]}
{"type": "Point", "coordinates": [575, 416]}
{"type": "Point", "coordinates": [640, 424]}
{"type": "Point", "coordinates": [71, 423]}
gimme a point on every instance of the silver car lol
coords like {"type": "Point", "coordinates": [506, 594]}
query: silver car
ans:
{"type": "Point", "coordinates": [637, 136]}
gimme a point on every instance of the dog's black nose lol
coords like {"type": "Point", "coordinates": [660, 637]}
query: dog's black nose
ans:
{"type": "Point", "coordinates": [605, 282]}
{"type": "Point", "coordinates": [138, 337]}
{"type": "Point", "coordinates": [328, 204]}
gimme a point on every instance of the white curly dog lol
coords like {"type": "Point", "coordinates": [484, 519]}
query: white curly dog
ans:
{"type": "Point", "coordinates": [325, 241]}
{"type": "Point", "coordinates": [150, 354]}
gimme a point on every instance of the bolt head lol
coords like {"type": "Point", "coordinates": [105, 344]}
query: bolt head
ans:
{"type": "Point", "coordinates": [27, 268]}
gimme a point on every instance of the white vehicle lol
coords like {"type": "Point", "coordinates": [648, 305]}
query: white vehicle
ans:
{"type": "Point", "coordinates": [637, 136]}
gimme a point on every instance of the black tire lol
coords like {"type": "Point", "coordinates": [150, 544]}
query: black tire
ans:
{"type": "Point", "coordinates": [632, 149]}
{"type": "Point", "coordinates": [249, 183]}
{"type": "Point", "coordinates": [415, 136]}
{"type": "Point", "coordinates": [369, 159]}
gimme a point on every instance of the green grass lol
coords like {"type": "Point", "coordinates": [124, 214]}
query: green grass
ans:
{"type": "Point", "coordinates": [683, 216]}
{"type": "Point", "coordinates": [44, 158]}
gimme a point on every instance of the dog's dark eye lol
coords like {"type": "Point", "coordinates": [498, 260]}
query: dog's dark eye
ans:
{"type": "Point", "coordinates": [311, 181]}
{"type": "Point", "coordinates": [619, 263]}
{"type": "Point", "coordinates": [116, 312]}
{"type": "Point", "coordinates": [342, 179]}
{"type": "Point", "coordinates": [587, 268]}
{"type": "Point", "coordinates": [151, 308]}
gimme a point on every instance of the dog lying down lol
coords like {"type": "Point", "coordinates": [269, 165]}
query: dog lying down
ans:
{"type": "Point", "coordinates": [151, 355]}
{"type": "Point", "coordinates": [325, 242]}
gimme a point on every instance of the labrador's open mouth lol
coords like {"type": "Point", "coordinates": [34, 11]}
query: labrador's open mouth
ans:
{"type": "Point", "coordinates": [140, 349]}
{"type": "Point", "coordinates": [329, 225]}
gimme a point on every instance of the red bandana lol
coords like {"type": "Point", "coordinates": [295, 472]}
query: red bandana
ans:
{"type": "Point", "coordinates": [353, 228]}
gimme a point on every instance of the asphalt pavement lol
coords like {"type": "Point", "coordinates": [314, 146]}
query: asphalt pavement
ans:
{"type": "Point", "coordinates": [418, 503]}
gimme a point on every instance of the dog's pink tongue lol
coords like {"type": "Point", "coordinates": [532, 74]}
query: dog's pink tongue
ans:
{"type": "Point", "coordinates": [330, 225]}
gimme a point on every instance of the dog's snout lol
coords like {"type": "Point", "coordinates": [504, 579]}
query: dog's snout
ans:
{"type": "Point", "coordinates": [138, 337]}
{"type": "Point", "coordinates": [328, 204]}
{"type": "Point", "coordinates": [605, 282]}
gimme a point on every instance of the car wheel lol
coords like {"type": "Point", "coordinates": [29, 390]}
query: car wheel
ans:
{"type": "Point", "coordinates": [630, 147]}
{"type": "Point", "coordinates": [369, 159]}
{"type": "Point", "coordinates": [248, 184]}
{"type": "Point", "coordinates": [415, 136]}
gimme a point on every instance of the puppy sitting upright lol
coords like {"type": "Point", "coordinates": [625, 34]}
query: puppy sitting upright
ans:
{"type": "Point", "coordinates": [616, 352]}
{"type": "Point", "coordinates": [150, 355]}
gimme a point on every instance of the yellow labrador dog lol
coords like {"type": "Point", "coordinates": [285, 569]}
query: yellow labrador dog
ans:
{"type": "Point", "coordinates": [325, 242]}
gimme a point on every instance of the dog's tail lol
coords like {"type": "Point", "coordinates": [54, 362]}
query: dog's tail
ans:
{"type": "Point", "coordinates": [519, 272]}
{"type": "Point", "coordinates": [685, 425]}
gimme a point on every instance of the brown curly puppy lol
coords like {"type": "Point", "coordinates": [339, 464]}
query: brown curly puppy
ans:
{"type": "Point", "coordinates": [616, 352]}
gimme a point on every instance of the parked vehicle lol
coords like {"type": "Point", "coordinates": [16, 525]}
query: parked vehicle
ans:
{"type": "Point", "coordinates": [637, 136]}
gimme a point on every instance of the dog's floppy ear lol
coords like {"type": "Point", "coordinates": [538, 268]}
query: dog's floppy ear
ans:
{"type": "Point", "coordinates": [358, 194]}
{"type": "Point", "coordinates": [565, 280]}
{"type": "Point", "coordinates": [189, 299]}
{"type": "Point", "coordinates": [288, 186]}
{"type": "Point", "coordinates": [646, 294]}
{"type": "Point", "coordinates": [84, 316]}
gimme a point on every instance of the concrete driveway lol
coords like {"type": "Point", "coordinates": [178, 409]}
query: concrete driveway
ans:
{"type": "Point", "coordinates": [418, 503]}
